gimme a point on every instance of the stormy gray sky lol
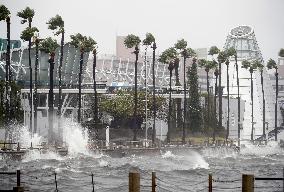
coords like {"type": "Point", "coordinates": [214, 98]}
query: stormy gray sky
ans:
{"type": "Point", "coordinates": [202, 23]}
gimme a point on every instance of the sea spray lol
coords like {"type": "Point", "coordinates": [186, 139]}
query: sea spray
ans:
{"type": "Point", "coordinates": [75, 138]}
{"type": "Point", "coordinates": [272, 148]}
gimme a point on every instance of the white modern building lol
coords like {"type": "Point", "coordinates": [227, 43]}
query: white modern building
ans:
{"type": "Point", "coordinates": [243, 39]}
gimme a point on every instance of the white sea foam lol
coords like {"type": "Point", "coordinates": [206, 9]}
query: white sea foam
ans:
{"type": "Point", "coordinates": [75, 138]}
{"type": "Point", "coordinates": [272, 148]}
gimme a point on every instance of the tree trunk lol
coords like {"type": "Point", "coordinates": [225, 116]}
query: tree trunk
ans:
{"type": "Point", "coordinates": [276, 104]}
{"type": "Point", "coordinates": [135, 95]}
{"type": "Point", "coordinates": [170, 110]}
{"type": "Point", "coordinates": [35, 89]}
{"type": "Point", "coordinates": [215, 107]}
{"type": "Point", "coordinates": [184, 102]}
{"type": "Point", "coordinates": [263, 106]}
{"type": "Point", "coordinates": [228, 107]}
{"type": "Point", "coordinates": [177, 101]}
{"type": "Point", "coordinates": [251, 95]}
{"type": "Point", "coordinates": [208, 100]}
{"type": "Point", "coordinates": [154, 94]}
{"type": "Point", "coordinates": [239, 102]}
{"type": "Point", "coordinates": [80, 86]}
{"type": "Point", "coordinates": [220, 98]}
{"type": "Point", "coordinates": [8, 80]}
{"type": "Point", "coordinates": [8, 74]}
{"type": "Point", "coordinates": [95, 89]}
{"type": "Point", "coordinates": [31, 86]}
{"type": "Point", "coordinates": [50, 100]}
{"type": "Point", "coordinates": [60, 135]}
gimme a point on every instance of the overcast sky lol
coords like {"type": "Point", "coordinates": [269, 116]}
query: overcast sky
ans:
{"type": "Point", "coordinates": [202, 23]}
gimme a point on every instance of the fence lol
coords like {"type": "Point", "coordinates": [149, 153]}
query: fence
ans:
{"type": "Point", "coordinates": [18, 188]}
{"type": "Point", "coordinates": [154, 183]}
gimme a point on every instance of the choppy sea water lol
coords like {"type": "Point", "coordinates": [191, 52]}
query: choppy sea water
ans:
{"type": "Point", "coordinates": [186, 171]}
{"type": "Point", "coordinates": [176, 171]}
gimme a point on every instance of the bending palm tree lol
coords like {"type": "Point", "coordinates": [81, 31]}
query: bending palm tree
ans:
{"type": "Point", "coordinates": [221, 58]}
{"type": "Point", "coordinates": [27, 35]}
{"type": "Point", "coordinates": [49, 45]}
{"type": "Point", "coordinates": [216, 74]}
{"type": "Point", "coordinates": [57, 23]}
{"type": "Point", "coordinates": [185, 53]}
{"type": "Point", "coordinates": [251, 67]}
{"type": "Point", "coordinates": [168, 57]}
{"type": "Point", "coordinates": [37, 40]}
{"type": "Point", "coordinates": [232, 52]}
{"type": "Point", "coordinates": [85, 44]}
{"type": "Point", "coordinates": [130, 42]}
{"type": "Point", "coordinates": [228, 53]}
{"type": "Point", "coordinates": [271, 64]}
{"type": "Point", "coordinates": [149, 40]}
{"type": "Point", "coordinates": [27, 16]}
{"type": "Point", "coordinates": [5, 16]}
{"type": "Point", "coordinates": [95, 87]}
{"type": "Point", "coordinates": [260, 67]}
{"type": "Point", "coordinates": [207, 65]}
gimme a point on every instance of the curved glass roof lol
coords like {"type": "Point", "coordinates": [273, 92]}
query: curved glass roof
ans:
{"type": "Point", "coordinates": [242, 38]}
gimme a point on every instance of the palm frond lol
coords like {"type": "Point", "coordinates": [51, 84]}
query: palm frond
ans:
{"type": "Point", "coordinates": [56, 23]}
{"type": "Point", "coordinates": [222, 57]}
{"type": "Point", "coordinates": [281, 53]}
{"type": "Point", "coordinates": [82, 42]}
{"type": "Point", "coordinates": [246, 64]}
{"type": "Point", "coordinates": [271, 64]}
{"type": "Point", "coordinates": [26, 14]}
{"type": "Point", "coordinates": [257, 65]}
{"type": "Point", "coordinates": [48, 45]}
{"type": "Point", "coordinates": [181, 44]}
{"type": "Point", "coordinates": [149, 39]}
{"type": "Point", "coordinates": [231, 52]}
{"type": "Point", "coordinates": [28, 33]}
{"type": "Point", "coordinates": [189, 52]}
{"type": "Point", "coordinates": [202, 62]}
{"type": "Point", "coordinates": [131, 41]}
{"type": "Point", "coordinates": [213, 50]}
{"type": "Point", "coordinates": [168, 55]}
{"type": "Point", "coordinates": [4, 12]}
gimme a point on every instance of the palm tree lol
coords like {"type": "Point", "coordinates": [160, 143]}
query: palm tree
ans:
{"type": "Point", "coordinates": [232, 52]}
{"type": "Point", "coordinates": [207, 65]}
{"type": "Point", "coordinates": [27, 35]}
{"type": "Point", "coordinates": [130, 42]}
{"type": "Point", "coordinates": [27, 16]}
{"type": "Point", "coordinates": [37, 40]}
{"type": "Point", "coordinates": [148, 41]}
{"type": "Point", "coordinates": [95, 87]}
{"type": "Point", "coordinates": [260, 67]}
{"type": "Point", "coordinates": [216, 74]}
{"type": "Point", "coordinates": [85, 44]}
{"type": "Point", "coordinates": [228, 53]}
{"type": "Point", "coordinates": [221, 58]}
{"type": "Point", "coordinates": [169, 57]}
{"type": "Point", "coordinates": [49, 45]}
{"type": "Point", "coordinates": [185, 52]}
{"type": "Point", "coordinates": [57, 23]}
{"type": "Point", "coordinates": [281, 53]}
{"type": "Point", "coordinates": [251, 67]}
{"type": "Point", "coordinates": [271, 64]}
{"type": "Point", "coordinates": [5, 16]}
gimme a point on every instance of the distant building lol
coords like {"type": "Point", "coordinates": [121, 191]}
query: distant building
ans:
{"type": "Point", "coordinates": [13, 44]}
{"type": "Point", "coordinates": [243, 39]}
{"type": "Point", "coordinates": [70, 67]}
